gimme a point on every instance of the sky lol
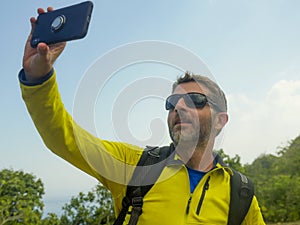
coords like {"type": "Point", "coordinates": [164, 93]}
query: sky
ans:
{"type": "Point", "coordinates": [127, 62]}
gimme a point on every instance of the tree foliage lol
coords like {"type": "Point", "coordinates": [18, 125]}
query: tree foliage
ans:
{"type": "Point", "coordinates": [234, 162]}
{"type": "Point", "coordinates": [92, 208]}
{"type": "Point", "coordinates": [51, 219]}
{"type": "Point", "coordinates": [21, 203]}
{"type": "Point", "coordinates": [20, 198]}
{"type": "Point", "coordinates": [277, 182]}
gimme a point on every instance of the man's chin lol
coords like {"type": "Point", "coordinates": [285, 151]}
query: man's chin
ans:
{"type": "Point", "coordinates": [184, 140]}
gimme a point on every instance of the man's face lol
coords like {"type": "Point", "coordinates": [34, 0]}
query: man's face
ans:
{"type": "Point", "coordinates": [190, 125]}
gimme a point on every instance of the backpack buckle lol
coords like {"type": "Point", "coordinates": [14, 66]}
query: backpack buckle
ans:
{"type": "Point", "coordinates": [154, 152]}
{"type": "Point", "coordinates": [137, 201]}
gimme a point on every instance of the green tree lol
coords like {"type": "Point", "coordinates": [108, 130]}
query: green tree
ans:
{"type": "Point", "coordinates": [94, 207]}
{"type": "Point", "coordinates": [277, 182]}
{"type": "Point", "coordinates": [290, 158]}
{"type": "Point", "coordinates": [20, 198]}
{"type": "Point", "coordinates": [51, 219]}
{"type": "Point", "coordinates": [233, 162]}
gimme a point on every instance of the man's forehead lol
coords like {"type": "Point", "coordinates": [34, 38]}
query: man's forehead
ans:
{"type": "Point", "coordinates": [190, 87]}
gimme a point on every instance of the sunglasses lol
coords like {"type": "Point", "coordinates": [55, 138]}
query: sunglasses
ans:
{"type": "Point", "coordinates": [192, 100]}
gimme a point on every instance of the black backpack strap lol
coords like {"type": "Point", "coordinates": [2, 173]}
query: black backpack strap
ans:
{"type": "Point", "coordinates": [143, 178]}
{"type": "Point", "coordinates": [241, 195]}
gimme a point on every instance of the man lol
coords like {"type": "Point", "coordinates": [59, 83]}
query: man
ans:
{"type": "Point", "coordinates": [194, 186]}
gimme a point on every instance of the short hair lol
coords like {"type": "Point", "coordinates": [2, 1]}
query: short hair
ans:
{"type": "Point", "coordinates": [216, 94]}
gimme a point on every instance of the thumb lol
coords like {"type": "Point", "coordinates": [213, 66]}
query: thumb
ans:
{"type": "Point", "coordinates": [42, 49]}
{"type": "Point", "coordinates": [43, 52]}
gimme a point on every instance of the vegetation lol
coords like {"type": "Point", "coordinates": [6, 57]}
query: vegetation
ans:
{"type": "Point", "coordinates": [276, 178]}
{"type": "Point", "coordinates": [95, 207]}
{"type": "Point", "coordinates": [20, 198]}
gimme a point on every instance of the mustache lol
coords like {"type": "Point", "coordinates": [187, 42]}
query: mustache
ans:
{"type": "Point", "coordinates": [181, 117]}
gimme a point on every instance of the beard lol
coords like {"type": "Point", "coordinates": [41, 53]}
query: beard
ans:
{"type": "Point", "coordinates": [196, 135]}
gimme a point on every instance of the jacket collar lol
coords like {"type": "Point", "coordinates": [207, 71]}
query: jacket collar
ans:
{"type": "Point", "coordinates": [175, 159]}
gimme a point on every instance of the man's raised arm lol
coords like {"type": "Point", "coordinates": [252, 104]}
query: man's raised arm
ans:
{"type": "Point", "coordinates": [38, 62]}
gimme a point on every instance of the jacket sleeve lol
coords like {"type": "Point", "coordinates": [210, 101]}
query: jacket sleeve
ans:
{"type": "Point", "coordinates": [112, 163]}
{"type": "Point", "coordinates": [254, 215]}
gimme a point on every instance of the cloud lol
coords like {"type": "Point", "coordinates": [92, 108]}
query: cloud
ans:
{"type": "Point", "coordinates": [261, 125]}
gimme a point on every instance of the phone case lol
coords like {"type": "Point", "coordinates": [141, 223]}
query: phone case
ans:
{"type": "Point", "coordinates": [65, 24]}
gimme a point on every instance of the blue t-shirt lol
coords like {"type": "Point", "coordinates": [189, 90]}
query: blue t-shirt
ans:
{"type": "Point", "coordinates": [195, 177]}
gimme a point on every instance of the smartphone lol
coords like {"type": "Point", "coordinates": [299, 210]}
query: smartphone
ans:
{"type": "Point", "coordinates": [64, 24]}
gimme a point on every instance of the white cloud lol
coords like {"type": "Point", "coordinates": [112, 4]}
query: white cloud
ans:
{"type": "Point", "coordinates": [263, 124]}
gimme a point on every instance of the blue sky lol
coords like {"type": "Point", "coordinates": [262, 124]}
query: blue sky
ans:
{"type": "Point", "coordinates": [251, 48]}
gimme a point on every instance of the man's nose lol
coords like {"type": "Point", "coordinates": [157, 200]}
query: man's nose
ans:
{"type": "Point", "coordinates": [180, 105]}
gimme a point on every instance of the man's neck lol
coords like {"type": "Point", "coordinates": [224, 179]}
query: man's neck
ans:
{"type": "Point", "coordinates": [201, 161]}
{"type": "Point", "coordinates": [198, 157]}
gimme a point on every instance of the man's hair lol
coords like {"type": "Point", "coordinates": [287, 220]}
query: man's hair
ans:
{"type": "Point", "coordinates": [216, 94]}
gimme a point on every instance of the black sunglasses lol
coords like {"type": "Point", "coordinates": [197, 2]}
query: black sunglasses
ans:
{"type": "Point", "coordinates": [192, 100]}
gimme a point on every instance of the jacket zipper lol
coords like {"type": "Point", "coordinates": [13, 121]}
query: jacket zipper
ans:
{"type": "Point", "coordinates": [205, 188]}
{"type": "Point", "coordinates": [188, 205]}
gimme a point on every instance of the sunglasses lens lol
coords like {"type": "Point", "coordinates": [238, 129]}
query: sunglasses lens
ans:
{"type": "Point", "coordinates": [172, 101]}
{"type": "Point", "coordinates": [192, 100]}
{"type": "Point", "coordinates": [195, 100]}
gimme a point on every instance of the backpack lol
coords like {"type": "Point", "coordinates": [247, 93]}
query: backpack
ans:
{"type": "Point", "coordinates": [241, 192]}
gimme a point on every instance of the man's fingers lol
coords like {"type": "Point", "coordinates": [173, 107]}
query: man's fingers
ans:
{"type": "Point", "coordinates": [40, 11]}
{"type": "Point", "coordinates": [50, 8]}
{"type": "Point", "coordinates": [32, 22]}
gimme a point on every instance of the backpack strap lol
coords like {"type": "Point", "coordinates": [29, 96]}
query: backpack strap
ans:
{"type": "Point", "coordinates": [241, 195]}
{"type": "Point", "coordinates": [143, 178]}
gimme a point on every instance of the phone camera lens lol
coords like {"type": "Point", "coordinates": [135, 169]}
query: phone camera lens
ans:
{"type": "Point", "coordinates": [58, 23]}
{"type": "Point", "coordinates": [34, 41]}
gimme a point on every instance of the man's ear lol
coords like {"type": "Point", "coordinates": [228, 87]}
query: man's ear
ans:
{"type": "Point", "coordinates": [220, 120]}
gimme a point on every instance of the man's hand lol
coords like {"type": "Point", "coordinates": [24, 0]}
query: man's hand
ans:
{"type": "Point", "coordinates": [38, 62]}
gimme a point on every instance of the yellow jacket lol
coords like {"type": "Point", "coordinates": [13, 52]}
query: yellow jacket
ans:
{"type": "Point", "coordinates": [169, 202]}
